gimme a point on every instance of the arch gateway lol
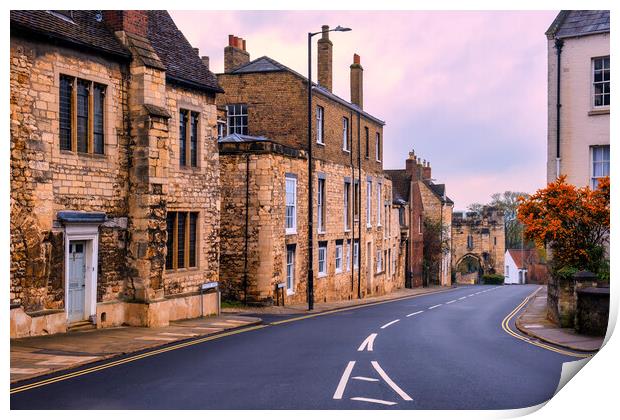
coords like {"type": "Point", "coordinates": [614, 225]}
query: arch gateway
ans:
{"type": "Point", "coordinates": [478, 244]}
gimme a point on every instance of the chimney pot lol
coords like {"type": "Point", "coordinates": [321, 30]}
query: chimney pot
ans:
{"type": "Point", "coordinates": [357, 82]}
{"type": "Point", "coordinates": [325, 31]}
{"type": "Point", "coordinates": [235, 54]}
{"type": "Point", "coordinates": [197, 50]}
{"type": "Point", "coordinates": [135, 22]}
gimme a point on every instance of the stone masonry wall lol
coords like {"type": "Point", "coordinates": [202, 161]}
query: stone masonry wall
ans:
{"type": "Point", "coordinates": [45, 179]}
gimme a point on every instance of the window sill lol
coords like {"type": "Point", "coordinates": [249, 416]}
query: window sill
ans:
{"type": "Point", "coordinates": [185, 168]}
{"type": "Point", "coordinates": [597, 111]}
{"type": "Point", "coordinates": [182, 271]}
{"type": "Point", "coordinates": [321, 275]}
{"type": "Point", "coordinates": [291, 232]}
{"type": "Point", "coordinates": [320, 144]}
{"type": "Point", "coordinates": [346, 151]}
{"type": "Point", "coordinates": [84, 154]}
{"type": "Point", "coordinates": [338, 271]}
{"type": "Point", "coordinates": [289, 292]}
{"type": "Point", "coordinates": [321, 232]}
{"type": "Point", "coordinates": [368, 226]}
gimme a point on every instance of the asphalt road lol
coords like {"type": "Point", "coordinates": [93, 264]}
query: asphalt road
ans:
{"type": "Point", "coordinates": [452, 356]}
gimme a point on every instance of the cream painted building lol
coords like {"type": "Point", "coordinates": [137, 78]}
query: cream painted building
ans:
{"type": "Point", "coordinates": [578, 118]}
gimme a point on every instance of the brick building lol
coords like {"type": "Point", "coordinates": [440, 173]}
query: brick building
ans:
{"type": "Point", "coordinates": [478, 244]}
{"type": "Point", "coordinates": [114, 171]}
{"type": "Point", "coordinates": [264, 175]}
{"type": "Point", "coordinates": [424, 199]}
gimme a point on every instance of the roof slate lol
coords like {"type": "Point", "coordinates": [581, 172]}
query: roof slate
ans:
{"type": "Point", "coordinates": [85, 30]}
{"type": "Point", "coordinates": [170, 49]}
{"type": "Point", "coordinates": [401, 182]}
{"type": "Point", "coordinates": [572, 23]}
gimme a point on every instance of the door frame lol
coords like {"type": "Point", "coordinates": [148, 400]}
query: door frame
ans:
{"type": "Point", "coordinates": [89, 233]}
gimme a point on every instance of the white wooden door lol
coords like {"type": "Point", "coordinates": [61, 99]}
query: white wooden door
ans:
{"type": "Point", "coordinates": [77, 281]}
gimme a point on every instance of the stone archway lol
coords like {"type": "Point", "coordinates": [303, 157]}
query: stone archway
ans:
{"type": "Point", "coordinates": [468, 269]}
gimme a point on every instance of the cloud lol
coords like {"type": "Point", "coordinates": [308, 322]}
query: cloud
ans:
{"type": "Point", "coordinates": [467, 90]}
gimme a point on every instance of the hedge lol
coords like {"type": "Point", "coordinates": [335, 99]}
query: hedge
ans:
{"type": "Point", "coordinates": [493, 279]}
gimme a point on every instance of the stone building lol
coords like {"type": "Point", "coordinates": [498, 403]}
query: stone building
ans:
{"type": "Point", "coordinates": [478, 244]}
{"type": "Point", "coordinates": [578, 74]}
{"type": "Point", "coordinates": [114, 172]}
{"type": "Point", "coordinates": [264, 175]}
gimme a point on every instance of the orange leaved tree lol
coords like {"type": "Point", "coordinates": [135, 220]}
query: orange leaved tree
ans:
{"type": "Point", "coordinates": [573, 221]}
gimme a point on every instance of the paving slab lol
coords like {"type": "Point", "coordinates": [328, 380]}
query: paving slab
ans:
{"type": "Point", "coordinates": [36, 356]}
{"type": "Point", "coordinates": [533, 321]}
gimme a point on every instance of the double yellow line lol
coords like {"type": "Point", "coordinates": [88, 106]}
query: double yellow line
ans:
{"type": "Point", "coordinates": [197, 341]}
{"type": "Point", "coordinates": [506, 327]}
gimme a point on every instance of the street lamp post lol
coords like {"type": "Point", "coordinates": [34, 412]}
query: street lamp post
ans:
{"type": "Point", "coordinates": [310, 285]}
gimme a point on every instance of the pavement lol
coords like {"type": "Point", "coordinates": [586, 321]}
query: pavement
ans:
{"type": "Point", "coordinates": [32, 357]}
{"type": "Point", "coordinates": [42, 355]}
{"type": "Point", "coordinates": [533, 321]}
{"type": "Point", "coordinates": [445, 350]}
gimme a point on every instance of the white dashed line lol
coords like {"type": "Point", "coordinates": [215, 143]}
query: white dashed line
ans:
{"type": "Point", "coordinates": [415, 313]}
{"type": "Point", "coordinates": [368, 343]}
{"type": "Point", "coordinates": [452, 301]}
{"type": "Point", "coordinates": [372, 400]}
{"type": "Point", "coordinates": [390, 323]}
{"type": "Point", "coordinates": [343, 381]}
{"type": "Point", "coordinates": [470, 295]}
{"type": "Point", "coordinates": [391, 383]}
{"type": "Point", "coordinates": [365, 378]}
{"type": "Point", "coordinates": [435, 306]}
{"type": "Point", "coordinates": [464, 297]}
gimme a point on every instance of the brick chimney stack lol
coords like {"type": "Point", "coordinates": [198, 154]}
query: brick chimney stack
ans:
{"type": "Point", "coordinates": [205, 61]}
{"type": "Point", "coordinates": [324, 60]}
{"type": "Point", "coordinates": [411, 166]}
{"type": "Point", "coordinates": [357, 82]}
{"type": "Point", "coordinates": [235, 54]}
{"type": "Point", "coordinates": [426, 170]}
{"type": "Point", "coordinates": [135, 22]}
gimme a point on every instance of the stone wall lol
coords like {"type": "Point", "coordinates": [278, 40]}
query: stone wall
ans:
{"type": "Point", "coordinates": [488, 236]}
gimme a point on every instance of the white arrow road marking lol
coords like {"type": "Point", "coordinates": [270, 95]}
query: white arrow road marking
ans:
{"type": "Point", "coordinates": [372, 400]}
{"type": "Point", "coordinates": [368, 342]}
{"type": "Point", "coordinates": [343, 381]}
{"type": "Point", "coordinates": [390, 323]}
{"type": "Point", "coordinates": [415, 313]}
{"type": "Point", "coordinates": [364, 378]}
{"type": "Point", "coordinates": [452, 301]}
{"type": "Point", "coordinates": [435, 306]}
{"type": "Point", "coordinates": [391, 383]}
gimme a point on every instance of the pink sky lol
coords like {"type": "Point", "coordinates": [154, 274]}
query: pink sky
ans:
{"type": "Point", "coordinates": [466, 90]}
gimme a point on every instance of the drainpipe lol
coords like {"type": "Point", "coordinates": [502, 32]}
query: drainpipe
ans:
{"type": "Point", "coordinates": [359, 207]}
{"type": "Point", "coordinates": [558, 46]}
{"type": "Point", "coordinates": [352, 198]}
{"type": "Point", "coordinates": [247, 218]}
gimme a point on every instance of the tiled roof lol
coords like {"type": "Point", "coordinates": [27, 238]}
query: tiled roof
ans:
{"type": "Point", "coordinates": [86, 29]}
{"type": "Point", "coordinates": [80, 28]}
{"type": "Point", "coordinates": [523, 257]}
{"type": "Point", "coordinates": [440, 191]}
{"type": "Point", "coordinates": [572, 23]}
{"type": "Point", "coordinates": [266, 64]}
{"type": "Point", "coordinates": [401, 181]}
{"type": "Point", "coordinates": [182, 63]}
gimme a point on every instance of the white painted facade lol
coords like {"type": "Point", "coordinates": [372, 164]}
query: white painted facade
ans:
{"type": "Point", "coordinates": [583, 125]}
{"type": "Point", "coordinates": [512, 273]}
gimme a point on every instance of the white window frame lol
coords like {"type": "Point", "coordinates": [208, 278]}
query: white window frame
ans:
{"type": "Point", "coordinates": [378, 147]}
{"type": "Point", "coordinates": [290, 270]}
{"type": "Point", "coordinates": [602, 82]}
{"type": "Point", "coordinates": [290, 230]}
{"type": "Point", "coordinates": [346, 206]}
{"type": "Point", "coordinates": [356, 253]}
{"type": "Point", "coordinates": [320, 111]}
{"type": "Point", "coordinates": [348, 254]}
{"type": "Point", "coordinates": [420, 223]}
{"type": "Point", "coordinates": [594, 179]}
{"type": "Point", "coordinates": [379, 261]}
{"type": "Point", "coordinates": [368, 203]}
{"type": "Point", "coordinates": [321, 213]}
{"type": "Point", "coordinates": [345, 135]}
{"type": "Point", "coordinates": [232, 114]}
{"type": "Point", "coordinates": [322, 256]}
{"type": "Point", "coordinates": [338, 259]}
{"type": "Point", "coordinates": [379, 206]}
